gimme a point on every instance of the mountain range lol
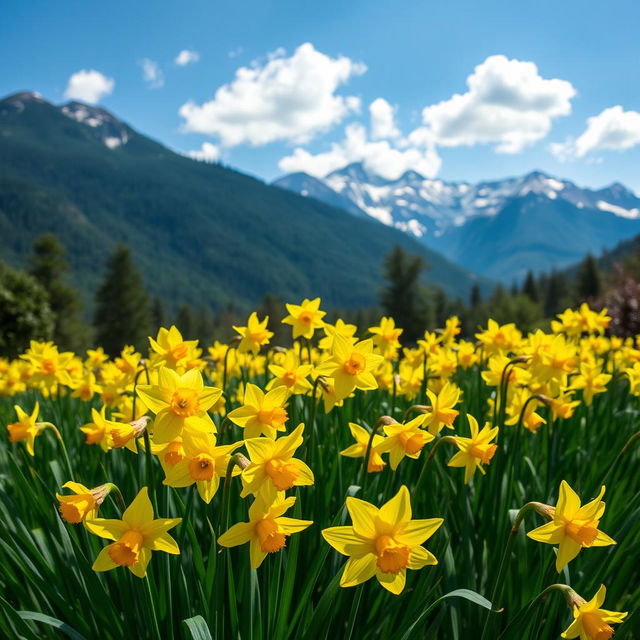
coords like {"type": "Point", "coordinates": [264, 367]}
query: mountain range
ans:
{"type": "Point", "coordinates": [201, 233]}
{"type": "Point", "coordinates": [500, 229]}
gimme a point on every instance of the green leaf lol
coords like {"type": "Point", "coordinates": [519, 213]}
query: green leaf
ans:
{"type": "Point", "coordinates": [467, 594]}
{"type": "Point", "coordinates": [52, 622]}
{"type": "Point", "coordinates": [197, 628]}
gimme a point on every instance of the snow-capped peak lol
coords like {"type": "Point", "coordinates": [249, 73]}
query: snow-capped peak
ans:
{"type": "Point", "coordinates": [428, 207]}
{"type": "Point", "coordinates": [109, 129]}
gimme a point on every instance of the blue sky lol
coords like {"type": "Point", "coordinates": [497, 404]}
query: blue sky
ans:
{"type": "Point", "coordinates": [309, 108]}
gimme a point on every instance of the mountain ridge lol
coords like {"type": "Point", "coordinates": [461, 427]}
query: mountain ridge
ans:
{"type": "Point", "coordinates": [450, 217]}
{"type": "Point", "coordinates": [201, 233]}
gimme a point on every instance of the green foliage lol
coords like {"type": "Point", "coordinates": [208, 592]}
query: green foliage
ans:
{"type": "Point", "coordinates": [588, 284]}
{"type": "Point", "coordinates": [48, 266]}
{"type": "Point", "coordinates": [403, 297]}
{"type": "Point", "coordinates": [25, 313]}
{"type": "Point", "coordinates": [122, 305]}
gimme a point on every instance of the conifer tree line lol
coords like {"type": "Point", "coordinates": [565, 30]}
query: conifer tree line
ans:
{"type": "Point", "coordinates": [39, 303]}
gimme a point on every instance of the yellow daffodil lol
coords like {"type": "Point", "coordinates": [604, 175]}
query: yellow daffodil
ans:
{"type": "Point", "coordinates": [96, 358]}
{"type": "Point", "coordinates": [261, 413]}
{"type": "Point", "coordinates": [83, 504]}
{"type": "Point", "coordinates": [499, 339]}
{"type": "Point", "coordinates": [305, 318]}
{"type": "Point", "coordinates": [590, 621]}
{"type": "Point", "coordinates": [350, 366]}
{"type": "Point", "coordinates": [386, 336]}
{"type": "Point", "coordinates": [359, 449]}
{"type": "Point", "coordinates": [197, 459]}
{"type": "Point", "coordinates": [135, 537]}
{"type": "Point", "coordinates": [27, 428]}
{"type": "Point", "coordinates": [290, 374]}
{"type": "Point", "coordinates": [273, 467]}
{"type": "Point", "coordinates": [404, 440]}
{"type": "Point", "coordinates": [254, 335]}
{"type": "Point", "coordinates": [340, 327]}
{"type": "Point", "coordinates": [591, 380]}
{"type": "Point", "coordinates": [475, 451]}
{"type": "Point", "coordinates": [179, 401]}
{"type": "Point", "coordinates": [99, 431]}
{"type": "Point", "coordinates": [267, 529]}
{"type": "Point", "coordinates": [86, 387]}
{"type": "Point", "coordinates": [382, 542]}
{"type": "Point", "coordinates": [49, 365]}
{"type": "Point", "coordinates": [573, 527]}
{"type": "Point", "coordinates": [442, 412]}
{"type": "Point", "coordinates": [171, 350]}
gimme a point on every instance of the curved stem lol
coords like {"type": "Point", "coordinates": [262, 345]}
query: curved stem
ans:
{"type": "Point", "coordinates": [432, 453]}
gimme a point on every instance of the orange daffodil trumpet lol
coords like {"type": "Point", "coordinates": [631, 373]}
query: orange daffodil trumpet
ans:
{"type": "Point", "coordinates": [134, 537]}
{"type": "Point", "coordinates": [350, 366]}
{"type": "Point", "coordinates": [382, 542]}
{"type": "Point", "coordinates": [273, 467]}
{"type": "Point", "coordinates": [179, 401]}
{"type": "Point", "coordinates": [574, 527]}
{"type": "Point", "coordinates": [267, 529]}
{"type": "Point", "coordinates": [590, 621]}
{"type": "Point", "coordinates": [83, 503]}
{"type": "Point", "coordinates": [476, 451]}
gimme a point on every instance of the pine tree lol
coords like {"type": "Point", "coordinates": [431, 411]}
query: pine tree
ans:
{"type": "Point", "coordinates": [48, 265]}
{"type": "Point", "coordinates": [555, 295]}
{"type": "Point", "coordinates": [158, 315]}
{"type": "Point", "coordinates": [403, 298]}
{"type": "Point", "coordinates": [25, 313]}
{"type": "Point", "coordinates": [530, 288]}
{"type": "Point", "coordinates": [476, 297]}
{"type": "Point", "coordinates": [186, 322]}
{"type": "Point", "coordinates": [205, 329]}
{"type": "Point", "coordinates": [122, 313]}
{"type": "Point", "coordinates": [589, 285]}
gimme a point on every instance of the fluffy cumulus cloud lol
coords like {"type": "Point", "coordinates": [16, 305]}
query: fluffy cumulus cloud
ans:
{"type": "Point", "coordinates": [378, 156]}
{"type": "Point", "coordinates": [382, 116]}
{"type": "Point", "coordinates": [284, 98]}
{"type": "Point", "coordinates": [89, 86]}
{"type": "Point", "coordinates": [152, 73]}
{"type": "Point", "coordinates": [207, 153]}
{"type": "Point", "coordinates": [507, 103]}
{"type": "Point", "coordinates": [612, 129]}
{"type": "Point", "coordinates": [186, 57]}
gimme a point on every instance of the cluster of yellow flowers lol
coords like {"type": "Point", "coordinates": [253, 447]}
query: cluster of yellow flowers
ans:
{"type": "Point", "coordinates": [165, 403]}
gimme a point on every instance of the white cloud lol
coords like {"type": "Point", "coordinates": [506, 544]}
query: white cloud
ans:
{"type": "Point", "coordinates": [507, 103]}
{"type": "Point", "coordinates": [186, 57]}
{"type": "Point", "coordinates": [152, 73]}
{"type": "Point", "coordinates": [612, 129]}
{"type": "Point", "coordinates": [379, 157]}
{"type": "Point", "coordinates": [89, 86]}
{"type": "Point", "coordinates": [207, 153]}
{"type": "Point", "coordinates": [285, 98]}
{"type": "Point", "coordinates": [382, 116]}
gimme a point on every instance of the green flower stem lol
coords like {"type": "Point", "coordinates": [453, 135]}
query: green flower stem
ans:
{"type": "Point", "coordinates": [425, 464]}
{"type": "Point", "coordinates": [497, 587]}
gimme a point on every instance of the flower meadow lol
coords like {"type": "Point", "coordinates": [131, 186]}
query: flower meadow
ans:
{"type": "Point", "coordinates": [342, 486]}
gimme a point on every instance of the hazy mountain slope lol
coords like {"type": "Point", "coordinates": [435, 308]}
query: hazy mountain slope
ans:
{"type": "Point", "coordinates": [201, 233]}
